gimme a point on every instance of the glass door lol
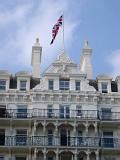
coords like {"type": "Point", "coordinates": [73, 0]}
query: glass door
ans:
{"type": "Point", "coordinates": [64, 111]}
{"type": "Point", "coordinates": [108, 139]}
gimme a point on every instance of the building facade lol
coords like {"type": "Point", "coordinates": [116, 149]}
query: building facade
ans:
{"type": "Point", "coordinates": [62, 115]}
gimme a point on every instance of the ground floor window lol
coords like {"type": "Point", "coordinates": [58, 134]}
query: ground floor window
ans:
{"type": "Point", "coordinates": [20, 158]}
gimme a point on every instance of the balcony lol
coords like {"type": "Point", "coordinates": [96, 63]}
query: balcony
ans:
{"type": "Point", "coordinates": [109, 116]}
{"type": "Point", "coordinates": [46, 141]}
{"type": "Point", "coordinates": [75, 142]}
{"type": "Point", "coordinates": [55, 113]}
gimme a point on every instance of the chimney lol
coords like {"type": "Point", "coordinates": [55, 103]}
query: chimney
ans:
{"type": "Point", "coordinates": [36, 59]}
{"type": "Point", "coordinates": [85, 63]}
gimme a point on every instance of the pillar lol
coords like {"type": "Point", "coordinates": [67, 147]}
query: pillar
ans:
{"type": "Point", "coordinates": [88, 155]}
{"type": "Point", "coordinates": [97, 155]}
{"type": "Point", "coordinates": [75, 156]}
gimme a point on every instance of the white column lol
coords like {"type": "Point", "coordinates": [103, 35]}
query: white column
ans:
{"type": "Point", "coordinates": [97, 155]}
{"type": "Point", "coordinates": [74, 133]}
{"type": "Point", "coordinates": [96, 130]}
{"type": "Point", "coordinates": [44, 133]}
{"type": "Point", "coordinates": [35, 124]}
{"type": "Point", "coordinates": [86, 128]}
{"type": "Point", "coordinates": [56, 135]}
{"type": "Point", "coordinates": [57, 157]}
{"type": "Point", "coordinates": [75, 156]}
{"type": "Point", "coordinates": [44, 154]}
{"type": "Point", "coordinates": [9, 156]}
{"type": "Point", "coordinates": [88, 155]}
{"type": "Point", "coordinates": [35, 154]}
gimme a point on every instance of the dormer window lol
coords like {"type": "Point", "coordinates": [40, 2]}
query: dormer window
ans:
{"type": "Point", "coordinates": [2, 84]}
{"type": "Point", "coordinates": [23, 85]}
{"type": "Point", "coordinates": [50, 84]}
{"type": "Point", "coordinates": [77, 85]}
{"type": "Point", "coordinates": [64, 84]}
{"type": "Point", "coordinates": [104, 86]}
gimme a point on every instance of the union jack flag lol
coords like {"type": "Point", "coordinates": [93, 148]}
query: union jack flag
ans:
{"type": "Point", "coordinates": [56, 28]}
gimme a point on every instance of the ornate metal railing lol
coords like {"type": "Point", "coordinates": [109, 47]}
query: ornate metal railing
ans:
{"type": "Point", "coordinates": [44, 113]}
{"type": "Point", "coordinates": [40, 141]}
{"type": "Point", "coordinates": [57, 113]}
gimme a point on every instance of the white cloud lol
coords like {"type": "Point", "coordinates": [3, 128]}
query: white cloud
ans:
{"type": "Point", "coordinates": [33, 21]}
{"type": "Point", "coordinates": [114, 60]}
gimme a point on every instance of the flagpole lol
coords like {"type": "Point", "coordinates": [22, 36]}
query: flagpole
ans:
{"type": "Point", "coordinates": [63, 40]}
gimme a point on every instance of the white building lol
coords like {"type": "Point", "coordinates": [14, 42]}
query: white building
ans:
{"type": "Point", "coordinates": [62, 115]}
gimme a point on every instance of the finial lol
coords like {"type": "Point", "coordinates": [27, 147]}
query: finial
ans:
{"type": "Point", "coordinates": [86, 43]}
{"type": "Point", "coordinates": [37, 40]}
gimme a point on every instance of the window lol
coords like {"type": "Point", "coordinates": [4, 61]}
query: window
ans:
{"type": "Point", "coordinates": [104, 87]}
{"type": "Point", "coordinates": [22, 111]}
{"type": "Point", "coordinates": [1, 158]}
{"type": "Point", "coordinates": [64, 84]}
{"type": "Point", "coordinates": [106, 114]}
{"type": "Point", "coordinates": [20, 158]}
{"type": "Point", "coordinates": [2, 137]}
{"type": "Point", "coordinates": [2, 111]}
{"type": "Point", "coordinates": [50, 137]}
{"type": "Point", "coordinates": [49, 111]}
{"type": "Point", "coordinates": [50, 84]}
{"type": "Point", "coordinates": [64, 111]}
{"type": "Point", "coordinates": [2, 84]}
{"type": "Point", "coordinates": [23, 85]}
{"type": "Point", "coordinates": [50, 158]}
{"type": "Point", "coordinates": [77, 85]}
{"type": "Point", "coordinates": [21, 137]}
{"type": "Point", "coordinates": [108, 139]}
{"type": "Point", "coordinates": [78, 111]}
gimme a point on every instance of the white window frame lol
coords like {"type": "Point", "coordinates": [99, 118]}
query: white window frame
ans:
{"type": "Point", "coordinates": [78, 110]}
{"type": "Point", "coordinates": [50, 87]}
{"type": "Point", "coordinates": [22, 114]}
{"type": "Point", "coordinates": [64, 86]}
{"type": "Point", "coordinates": [77, 88]}
{"type": "Point", "coordinates": [24, 87]}
{"type": "Point", "coordinates": [104, 90]}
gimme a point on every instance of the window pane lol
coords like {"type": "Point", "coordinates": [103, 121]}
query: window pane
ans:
{"type": "Point", "coordinates": [22, 111]}
{"type": "Point", "coordinates": [64, 84]}
{"type": "Point", "coordinates": [50, 84]}
{"type": "Point", "coordinates": [78, 110]}
{"type": "Point", "coordinates": [104, 87]}
{"type": "Point", "coordinates": [21, 137]}
{"type": "Point", "coordinates": [106, 113]}
{"type": "Point", "coordinates": [23, 85]}
{"type": "Point", "coordinates": [2, 84]}
{"type": "Point", "coordinates": [49, 111]}
{"type": "Point", "coordinates": [77, 83]}
{"type": "Point", "coordinates": [20, 158]}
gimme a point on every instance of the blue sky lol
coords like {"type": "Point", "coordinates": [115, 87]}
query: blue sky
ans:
{"type": "Point", "coordinates": [21, 21]}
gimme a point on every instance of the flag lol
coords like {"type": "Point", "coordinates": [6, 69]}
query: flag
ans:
{"type": "Point", "coordinates": [56, 28]}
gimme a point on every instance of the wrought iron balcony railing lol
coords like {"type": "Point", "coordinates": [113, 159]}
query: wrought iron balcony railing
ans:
{"type": "Point", "coordinates": [52, 141]}
{"type": "Point", "coordinates": [57, 113]}
{"type": "Point", "coordinates": [54, 113]}
{"type": "Point", "coordinates": [41, 141]}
